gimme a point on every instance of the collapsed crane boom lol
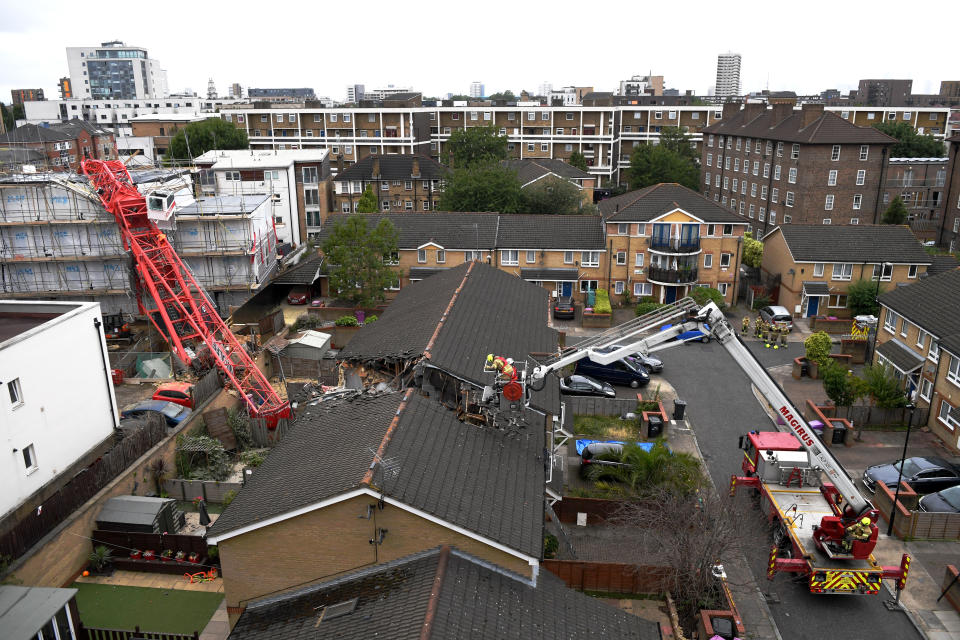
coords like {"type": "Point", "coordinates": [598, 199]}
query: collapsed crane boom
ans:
{"type": "Point", "coordinates": [170, 297]}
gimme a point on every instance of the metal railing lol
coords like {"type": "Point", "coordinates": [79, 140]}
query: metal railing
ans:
{"type": "Point", "coordinates": [672, 276]}
{"type": "Point", "coordinates": [675, 245]}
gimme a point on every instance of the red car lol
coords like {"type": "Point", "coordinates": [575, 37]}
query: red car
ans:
{"type": "Point", "coordinates": [176, 392]}
{"type": "Point", "coordinates": [298, 295]}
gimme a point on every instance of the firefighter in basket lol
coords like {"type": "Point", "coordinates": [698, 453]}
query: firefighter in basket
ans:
{"type": "Point", "coordinates": [504, 366]}
{"type": "Point", "coordinates": [859, 530]}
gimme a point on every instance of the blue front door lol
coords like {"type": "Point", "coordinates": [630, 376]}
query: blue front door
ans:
{"type": "Point", "coordinates": [813, 303]}
{"type": "Point", "coordinates": [566, 288]}
{"type": "Point", "coordinates": [671, 294]}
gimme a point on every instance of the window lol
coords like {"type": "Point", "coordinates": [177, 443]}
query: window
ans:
{"type": "Point", "coordinates": [792, 175]}
{"type": "Point", "coordinates": [944, 414]}
{"type": "Point", "coordinates": [618, 287]}
{"type": "Point", "coordinates": [736, 164]}
{"type": "Point", "coordinates": [474, 115]}
{"type": "Point", "coordinates": [544, 147]}
{"type": "Point", "coordinates": [835, 153]}
{"type": "Point", "coordinates": [642, 289]}
{"type": "Point", "coordinates": [707, 260]}
{"type": "Point", "coordinates": [588, 285]}
{"type": "Point", "coordinates": [725, 260]}
{"type": "Point", "coordinates": [385, 205]}
{"type": "Point", "coordinates": [509, 257]}
{"type": "Point", "coordinates": [890, 321]}
{"type": "Point", "coordinates": [775, 195]}
{"type": "Point", "coordinates": [264, 118]}
{"type": "Point", "coordinates": [293, 118]}
{"type": "Point", "coordinates": [762, 215]}
{"type": "Point", "coordinates": [706, 178]}
{"type": "Point", "coordinates": [16, 394]}
{"type": "Point", "coordinates": [776, 172]}
{"type": "Point", "coordinates": [857, 201]}
{"type": "Point", "coordinates": [842, 271]}
{"type": "Point", "coordinates": [408, 185]}
{"type": "Point", "coordinates": [658, 115]}
{"type": "Point", "coordinates": [621, 258]}
{"type": "Point", "coordinates": [559, 131]}
{"type": "Point", "coordinates": [311, 197]}
{"type": "Point", "coordinates": [672, 115]}
{"type": "Point", "coordinates": [753, 209]}
{"type": "Point", "coordinates": [740, 208]}
{"type": "Point", "coordinates": [709, 159]}
{"type": "Point", "coordinates": [544, 115]}
{"type": "Point", "coordinates": [735, 184]}
{"type": "Point", "coordinates": [345, 207]}
{"type": "Point", "coordinates": [568, 257]}
{"type": "Point", "coordinates": [773, 216]}
{"type": "Point", "coordinates": [709, 139]}
{"type": "Point", "coordinates": [753, 189]}
{"type": "Point", "coordinates": [722, 287]}
{"type": "Point", "coordinates": [763, 192]}
{"type": "Point", "coordinates": [346, 117]}
{"type": "Point", "coordinates": [818, 270]}
{"type": "Point", "coordinates": [569, 116]}
{"type": "Point", "coordinates": [934, 353]}
{"type": "Point", "coordinates": [925, 388]}
{"type": "Point", "coordinates": [912, 271]}
{"type": "Point", "coordinates": [310, 175]}
{"type": "Point", "coordinates": [408, 205]}
{"type": "Point", "coordinates": [828, 205]}
{"type": "Point", "coordinates": [921, 338]}
{"type": "Point", "coordinates": [531, 257]}
{"type": "Point", "coordinates": [531, 146]}
{"type": "Point", "coordinates": [766, 169]}
{"type": "Point", "coordinates": [837, 301]}
{"type": "Point", "coordinates": [441, 256]}
{"type": "Point", "coordinates": [638, 259]}
{"type": "Point", "coordinates": [788, 201]}
{"type": "Point", "coordinates": [333, 118]}
{"type": "Point", "coordinates": [756, 167]}
{"type": "Point", "coordinates": [864, 151]}
{"type": "Point", "coordinates": [795, 152]}
{"type": "Point", "coordinates": [531, 115]}
{"type": "Point", "coordinates": [470, 256]}
{"type": "Point", "coordinates": [779, 149]}
{"type": "Point", "coordinates": [589, 258]}
{"type": "Point", "coordinates": [29, 459]}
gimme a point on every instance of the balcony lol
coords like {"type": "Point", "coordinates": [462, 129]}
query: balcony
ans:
{"type": "Point", "coordinates": [675, 245]}
{"type": "Point", "coordinates": [660, 275]}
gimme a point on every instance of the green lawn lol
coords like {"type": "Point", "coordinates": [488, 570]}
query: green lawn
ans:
{"type": "Point", "coordinates": [172, 611]}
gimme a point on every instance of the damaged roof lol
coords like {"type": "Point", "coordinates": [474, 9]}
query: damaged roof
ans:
{"type": "Point", "coordinates": [487, 481]}
{"type": "Point", "coordinates": [439, 593]}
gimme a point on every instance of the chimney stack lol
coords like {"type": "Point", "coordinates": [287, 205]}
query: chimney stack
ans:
{"type": "Point", "coordinates": [730, 109]}
{"type": "Point", "coordinates": [780, 113]}
{"type": "Point", "coordinates": [753, 109]}
{"type": "Point", "coordinates": [810, 113]}
{"type": "Point", "coordinates": [375, 173]}
{"type": "Point", "coordinates": [415, 168]}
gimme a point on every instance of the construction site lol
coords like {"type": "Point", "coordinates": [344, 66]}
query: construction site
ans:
{"type": "Point", "coordinates": [58, 242]}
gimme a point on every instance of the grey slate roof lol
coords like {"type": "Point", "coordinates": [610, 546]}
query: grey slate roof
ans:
{"type": "Point", "coordinates": [494, 312]}
{"type": "Point", "coordinates": [550, 274]}
{"type": "Point", "coordinates": [652, 202]}
{"type": "Point", "coordinates": [485, 480]}
{"type": "Point", "coordinates": [829, 128]}
{"type": "Point", "coordinates": [419, 273]}
{"type": "Point", "coordinates": [816, 288]}
{"type": "Point", "coordinates": [472, 599]}
{"type": "Point", "coordinates": [528, 170]}
{"type": "Point", "coordinates": [304, 273]}
{"type": "Point", "coordinates": [449, 230]}
{"type": "Point", "coordinates": [528, 231]}
{"type": "Point", "coordinates": [870, 243]}
{"type": "Point", "coordinates": [940, 264]}
{"type": "Point", "coordinates": [900, 355]}
{"type": "Point", "coordinates": [931, 304]}
{"type": "Point", "coordinates": [393, 167]}
{"type": "Point", "coordinates": [32, 133]}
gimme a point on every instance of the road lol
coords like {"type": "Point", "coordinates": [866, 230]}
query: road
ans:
{"type": "Point", "coordinates": [721, 406]}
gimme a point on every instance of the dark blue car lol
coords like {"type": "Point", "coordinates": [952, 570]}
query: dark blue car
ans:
{"type": "Point", "coordinates": [174, 414]}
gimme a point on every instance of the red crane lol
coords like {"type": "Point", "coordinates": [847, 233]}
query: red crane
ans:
{"type": "Point", "coordinates": [177, 305]}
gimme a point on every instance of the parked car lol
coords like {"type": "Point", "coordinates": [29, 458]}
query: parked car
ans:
{"type": "Point", "coordinates": [651, 363]}
{"type": "Point", "coordinates": [564, 308]}
{"type": "Point", "coordinates": [945, 501]}
{"type": "Point", "coordinates": [298, 295]}
{"type": "Point", "coordinates": [925, 474]}
{"type": "Point", "coordinates": [777, 315]}
{"type": "Point", "coordinates": [622, 372]}
{"type": "Point", "coordinates": [693, 335]}
{"type": "Point", "coordinates": [174, 414]}
{"type": "Point", "coordinates": [577, 385]}
{"type": "Point", "coordinates": [176, 392]}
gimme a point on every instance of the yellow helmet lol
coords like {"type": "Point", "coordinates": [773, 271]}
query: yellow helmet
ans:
{"type": "Point", "coordinates": [489, 358]}
{"type": "Point", "coordinates": [865, 521]}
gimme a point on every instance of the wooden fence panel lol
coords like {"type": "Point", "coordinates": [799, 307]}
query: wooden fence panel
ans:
{"type": "Point", "coordinates": [209, 490]}
{"type": "Point", "coordinates": [218, 426]}
{"type": "Point", "coordinates": [264, 437]}
{"type": "Point", "coordinates": [207, 386]}
{"type": "Point", "coordinates": [935, 526]}
{"type": "Point", "coordinates": [861, 415]}
{"type": "Point", "coordinates": [94, 633]}
{"type": "Point", "coordinates": [612, 577]}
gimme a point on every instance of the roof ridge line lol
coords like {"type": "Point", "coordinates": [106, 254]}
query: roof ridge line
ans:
{"type": "Point", "coordinates": [432, 605]}
{"type": "Point", "coordinates": [446, 312]}
{"type": "Point", "coordinates": [368, 475]}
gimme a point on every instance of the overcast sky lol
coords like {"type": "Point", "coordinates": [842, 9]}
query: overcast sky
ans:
{"type": "Point", "coordinates": [441, 46]}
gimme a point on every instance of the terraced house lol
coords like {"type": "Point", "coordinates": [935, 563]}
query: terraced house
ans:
{"type": "Point", "coordinates": [919, 337]}
{"type": "Point", "coordinates": [815, 264]}
{"type": "Point", "coordinates": [399, 183]}
{"type": "Point", "coordinates": [664, 240]}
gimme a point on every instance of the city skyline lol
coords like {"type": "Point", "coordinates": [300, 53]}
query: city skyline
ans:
{"type": "Point", "coordinates": [35, 38]}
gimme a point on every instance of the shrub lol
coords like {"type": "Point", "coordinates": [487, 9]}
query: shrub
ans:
{"type": "Point", "coordinates": [862, 297]}
{"type": "Point", "coordinates": [252, 458]}
{"type": "Point", "coordinates": [370, 319]}
{"type": "Point", "coordinates": [307, 321]}
{"type": "Point", "coordinates": [760, 302]}
{"type": "Point", "coordinates": [550, 546]}
{"type": "Point", "coordinates": [603, 302]}
{"type": "Point", "coordinates": [647, 304]}
{"type": "Point", "coordinates": [818, 347]}
{"type": "Point", "coordinates": [228, 497]}
{"type": "Point", "coordinates": [239, 423]}
{"type": "Point", "coordinates": [347, 321]}
{"type": "Point", "coordinates": [100, 557]}
{"type": "Point", "coordinates": [839, 385]}
{"type": "Point", "coordinates": [703, 295]}
{"type": "Point", "coordinates": [883, 387]}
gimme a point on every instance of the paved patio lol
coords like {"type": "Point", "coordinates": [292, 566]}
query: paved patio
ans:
{"type": "Point", "coordinates": [157, 580]}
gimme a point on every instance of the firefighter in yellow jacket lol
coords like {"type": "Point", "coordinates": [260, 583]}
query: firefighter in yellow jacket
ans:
{"type": "Point", "coordinates": [508, 372]}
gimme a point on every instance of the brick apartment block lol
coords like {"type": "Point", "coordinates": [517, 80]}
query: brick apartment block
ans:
{"type": "Point", "coordinates": [59, 147]}
{"type": "Point", "coordinates": [399, 182]}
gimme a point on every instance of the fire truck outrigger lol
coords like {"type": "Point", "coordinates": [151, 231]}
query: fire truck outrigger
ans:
{"type": "Point", "coordinates": [825, 529]}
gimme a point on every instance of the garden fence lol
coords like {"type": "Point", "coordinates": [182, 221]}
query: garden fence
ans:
{"type": "Point", "coordinates": [206, 386]}
{"type": "Point", "coordinates": [598, 407]}
{"type": "Point", "coordinates": [210, 490]}
{"type": "Point", "coordinates": [45, 517]}
{"type": "Point", "coordinates": [93, 633]}
{"type": "Point", "coordinates": [867, 416]}
{"type": "Point", "coordinates": [266, 437]}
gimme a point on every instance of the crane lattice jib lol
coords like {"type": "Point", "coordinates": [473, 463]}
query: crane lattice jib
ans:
{"type": "Point", "coordinates": [177, 305]}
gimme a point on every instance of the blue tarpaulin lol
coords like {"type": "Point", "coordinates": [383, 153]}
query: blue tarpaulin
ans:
{"type": "Point", "coordinates": [646, 446]}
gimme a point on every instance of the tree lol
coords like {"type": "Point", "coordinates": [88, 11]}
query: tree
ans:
{"type": "Point", "coordinates": [503, 95]}
{"type": "Point", "coordinates": [653, 164]}
{"type": "Point", "coordinates": [703, 295]}
{"type": "Point", "coordinates": [910, 145]}
{"type": "Point", "coordinates": [752, 251]}
{"type": "Point", "coordinates": [482, 188]}
{"type": "Point", "coordinates": [578, 160]}
{"type": "Point", "coordinates": [554, 195]}
{"type": "Point", "coordinates": [818, 347]}
{"type": "Point", "coordinates": [885, 391]}
{"type": "Point", "coordinates": [368, 201]}
{"type": "Point", "coordinates": [840, 385]}
{"type": "Point", "coordinates": [862, 298]}
{"type": "Point", "coordinates": [358, 256]}
{"type": "Point", "coordinates": [675, 139]}
{"type": "Point", "coordinates": [896, 213]}
{"type": "Point", "coordinates": [8, 120]}
{"type": "Point", "coordinates": [476, 146]}
{"type": "Point", "coordinates": [205, 135]}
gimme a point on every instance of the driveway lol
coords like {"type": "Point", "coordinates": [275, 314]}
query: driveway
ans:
{"type": "Point", "coordinates": [722, 406]}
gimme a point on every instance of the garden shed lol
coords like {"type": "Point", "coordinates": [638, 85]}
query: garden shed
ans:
{"type": "Point", "coordinates": [300, 357]}
{"type": "Point", "coordinates": [141, 514]}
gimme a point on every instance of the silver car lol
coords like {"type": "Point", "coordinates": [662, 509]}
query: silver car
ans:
{"type": "Point", "coordinates": [777, 315]}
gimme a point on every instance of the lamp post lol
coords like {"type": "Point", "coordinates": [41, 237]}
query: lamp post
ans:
{"type": "Point", "coordinates": [903, 457]}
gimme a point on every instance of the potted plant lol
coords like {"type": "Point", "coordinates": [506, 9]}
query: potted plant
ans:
{"type": "Point", "coordinates": [135, 554]}
{"type": "Point", "coordinates": [100, 560]}
{"type": "Point", "coordinates": [149, 554]}
{"type": "Point", "coordinates": [193, 557]}
{"type": "Point", "coordinates": [180, 556]}
{"type": "Point", "coordinates": [166, 555]}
